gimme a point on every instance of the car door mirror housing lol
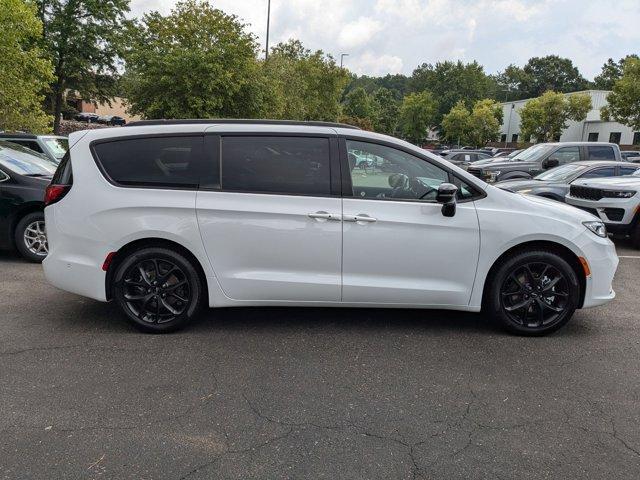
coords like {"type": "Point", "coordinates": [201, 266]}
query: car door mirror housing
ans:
{"type": "Point", "coordinates": [447, 194]}
{"type": "Point", "coordinates": [551, 162]}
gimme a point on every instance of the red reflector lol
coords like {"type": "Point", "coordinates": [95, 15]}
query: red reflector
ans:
{"type": "Point", "coordinates": [54, 193]}
{"type": "Point", "coordinates": [107, 261]}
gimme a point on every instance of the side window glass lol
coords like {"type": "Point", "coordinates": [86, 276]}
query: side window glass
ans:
{"type": "Point", "coordinates": [567, 155]}
{"type": "Point", "coordinates": [284, 165]}
{"type": "Point", "coordinates": [624, 171]}
{"type": "Point", "coordinates": [395, 174]}
{"type": "Point", "coordinates": [601, 153]}
{"type": "Point", "coordinates": [599, 173]}
{"type": "Point", "coordinates": [153, 161]}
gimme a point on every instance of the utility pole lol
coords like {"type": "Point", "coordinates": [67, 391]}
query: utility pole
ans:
{"type": "Point", "coordinates": [266, 51]}
{"type": "Point", "coordinates": [342, 55]}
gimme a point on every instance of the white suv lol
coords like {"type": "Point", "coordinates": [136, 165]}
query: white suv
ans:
{"type": "Point", "coordinates": [165, 217]}
{"type": "Point", "coordinates": [616, 201]}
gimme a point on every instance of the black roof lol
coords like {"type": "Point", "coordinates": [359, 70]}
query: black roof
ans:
{"type": "Point", "coordinates": [17, 135]}
{"type": "Point", "coordinates": [239, 121]}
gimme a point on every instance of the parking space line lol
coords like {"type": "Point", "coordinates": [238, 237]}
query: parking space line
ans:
{"type": "Point", "coordinates": [628, 256]}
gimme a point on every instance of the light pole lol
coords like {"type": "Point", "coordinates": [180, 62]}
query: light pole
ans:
{"type": "Point", "coordinates": [506, 139]}
{"type": "Point", "coordinates": [266, 51]}
{"type": "Point", "coordinates": [342, 55]}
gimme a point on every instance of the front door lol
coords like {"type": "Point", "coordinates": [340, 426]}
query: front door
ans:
{"type": "Point", "coordinates": [398, 247]}
{"type": "Point", "coordinates": [270, 222]}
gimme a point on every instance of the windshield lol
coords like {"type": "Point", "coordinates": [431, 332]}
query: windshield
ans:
{"type": "Point", "coordinates": [23, 161]}
{"type": "Point", "coordinates": [533, 153]}
{"type": "Point", "coordinates": [57, 146]}
{"type": "Point", "coordinates": [561, 173]}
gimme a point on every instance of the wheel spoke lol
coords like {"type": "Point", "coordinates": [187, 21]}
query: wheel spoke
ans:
{"type": "Point", "coordinates": [551, 284]}
{"type": "Point", "coordinates": [519, 305]}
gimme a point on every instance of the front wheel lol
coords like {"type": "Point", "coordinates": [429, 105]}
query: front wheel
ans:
{"type": "Point", "coordinates": [533, 293]}
{"type": "Point", "coordinates": [159, 290]}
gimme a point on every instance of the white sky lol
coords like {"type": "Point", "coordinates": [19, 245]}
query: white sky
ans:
{"type": "Point", "coordinates": [394, 36]}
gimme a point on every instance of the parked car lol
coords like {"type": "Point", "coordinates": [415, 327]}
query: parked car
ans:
{"type": "Point", "coordinates": [543, 156]}
{"type": "Point", "coordinates": [87, 117]}
{"type": "Point", "coordinates": [52, 146]}
{"type": "Point", "coordinates": [164, 217]}
{"type": "Point", "coordinates": [24, 176]}
{"type": "Point", "coordinates": [630, 155]}
{"type": "Point", "coordinates": [615, 201]}
{"type": "Point", "coordinates": [464, 158]}
{"type": "Point", "coordinates": [554, 183]}
{"type": "Point", "coordinates": [112, 120]}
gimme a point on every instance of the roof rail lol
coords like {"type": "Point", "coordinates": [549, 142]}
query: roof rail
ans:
{"type": "Point", "coordinates": [139, 123]}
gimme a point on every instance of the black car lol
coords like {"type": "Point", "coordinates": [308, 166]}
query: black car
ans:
{"type": "Point", "coordinates": [112, 120]}
{"type": "Point", "coordinates": [543, 156]}
{"type": "Point", "coordinates": [86, 117]}
{"type": "Point", "coordinates": [554, 183]}
{"type": "Point", "coordinates": [24, 176]}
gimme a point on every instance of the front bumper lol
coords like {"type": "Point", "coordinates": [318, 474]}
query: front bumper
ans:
{"type": "Point", "coordinates": [602, 258]}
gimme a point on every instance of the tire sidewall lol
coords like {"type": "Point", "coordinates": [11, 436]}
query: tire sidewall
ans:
{"type": "Point", "coordinates": [186, 265]}
{"type": "Point", "coordinates": [19, 236]}
{"type": "Point", "coordinates": [508, 266]}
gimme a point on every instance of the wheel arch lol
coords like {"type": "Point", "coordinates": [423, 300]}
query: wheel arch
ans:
{"type": "Point", "coordinates": [550, 246]}
{"type": "Point", "coordinates": [140, 243]}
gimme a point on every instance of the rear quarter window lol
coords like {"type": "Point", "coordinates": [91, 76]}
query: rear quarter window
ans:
{"type": "Point", "coordinates": [176, 161]}
{"type": "Point", "coordinates": [601, 153]}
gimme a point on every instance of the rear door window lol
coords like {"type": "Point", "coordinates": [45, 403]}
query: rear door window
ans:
{"type": "Point", "coordinates": [175, 162]}
{"type": "Point", "coordinates": [601, 153]}
{"type": "Point", "coordinates": [624, 171]}
{"type": "Point", "coordinates": [279, 165]}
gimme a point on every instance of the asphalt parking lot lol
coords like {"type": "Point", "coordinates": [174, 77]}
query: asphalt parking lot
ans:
{"type": "Point", "coordinates": [314, 393]}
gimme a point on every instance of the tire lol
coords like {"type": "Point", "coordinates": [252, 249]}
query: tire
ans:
{"type": "Point", "coordinates": [162, 307]}
{"type": "Point", "coordinates": [529, 283]}
{"type": "Point", "coordinates": [31, 237]}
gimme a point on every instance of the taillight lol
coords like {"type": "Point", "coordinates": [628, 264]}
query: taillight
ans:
{"type": "Point", "coordinates": [55, 193]}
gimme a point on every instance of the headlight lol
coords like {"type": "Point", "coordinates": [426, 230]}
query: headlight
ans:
{"type": "Point", "coordinates": [491, 176]}
{"type": "Point", "coordinates": [596, 227]}
{"type": "Point", "coordinates": [618, 193]}
{"type": "Point", "coordinates": [526, 190]}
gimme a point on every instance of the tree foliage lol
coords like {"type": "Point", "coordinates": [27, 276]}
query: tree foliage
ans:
{"type": "Point", "coordinates": [84, 42]}
{"type": "Point", "coordinates": [418, 113]}
{"type": "Point", "coordinates": [386, 111]}
{"type": "Point", "coordinates": [196, 62]}
{"type": "Point", "coordinates": [302, 85]}
{"type": "Point", "coordinates": [24, 72]}
{"type": "Point", "coordinates": [477, 127]}
{"type": "Point", "coordinates": [611, 72]}
{"type": "Point", "coordinates": [455, 124]}
{"type": "Point", "coordinates": [545, 117]}
{"type": "Point", "coordinates": [552, 72]}
{"type": "Point", "coordinates": [624, 99]}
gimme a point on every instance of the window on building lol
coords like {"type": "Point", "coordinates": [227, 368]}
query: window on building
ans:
{"type": "Point", "coordinates": [514, 137]}
{"type": "Point", "coordinates": [593, 136]}
{"type": "Point", "coordinates": [285, 165]}
{"type": "Point", "coordinates": [615, 137]}
{"type": "Point", "coordinates": [503, 137]}
{"type": "Point", "coordinates": [636, 138]}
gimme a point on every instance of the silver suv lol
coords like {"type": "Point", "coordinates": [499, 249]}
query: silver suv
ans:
{"type": "Point", "coordinates": [616, 201]}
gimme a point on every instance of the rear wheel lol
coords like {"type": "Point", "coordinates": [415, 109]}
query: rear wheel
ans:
{"type": "Point", "coordinates": [158, 289]}
{"type": "Point", "coordinates": [533, 293]}
{"type": "Point", "coordinates": [31, 237]}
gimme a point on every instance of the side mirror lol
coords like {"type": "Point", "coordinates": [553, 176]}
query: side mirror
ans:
{"type": "Point", "coordinates": [548, 163]}
{"type": "Point", "coordinates": [447, 194]}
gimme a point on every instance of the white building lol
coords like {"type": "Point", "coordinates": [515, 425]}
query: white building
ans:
{"type": "Point", "coordinates": [593, 129]}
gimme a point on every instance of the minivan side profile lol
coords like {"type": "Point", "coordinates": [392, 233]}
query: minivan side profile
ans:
{"type": "Point", "coordinates": [166, 217]}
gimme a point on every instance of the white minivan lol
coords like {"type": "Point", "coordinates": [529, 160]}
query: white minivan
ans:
{"type": "Point", "coordinates": [164, 217]}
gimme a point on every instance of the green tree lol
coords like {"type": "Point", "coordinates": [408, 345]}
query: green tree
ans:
{"type": "Point", "coordinates": [196, 62]}
{"type": "Point", "coordinates": [386, 111]}
{"type": "Point", "coordinates": [450, 82]}
{"type": "Point", "coordinates": [541, 74]}
{"type": "Point", "coordinates": [302, 85]}
{"type": "Point", "coordinates": [624, 99]}
{"type": "Point", "coordinates": [484, 122]}
{"type": "Point", "coordinates": [545, 117]}
{"type": "Point", "coordinates": [510, 82]}
{"type": "Point", "coordinates": [611, 72]}
{"type": "Point", "coordinates": [24, 73]}
{"type": "Point", "coordinates": [456, 124]}
{"type": "Point", "coordinates": [418, 113]}
{"type": "Point", "coordinates": [84, 43]}
{"type": "Point", "coordinates": [358, 103]}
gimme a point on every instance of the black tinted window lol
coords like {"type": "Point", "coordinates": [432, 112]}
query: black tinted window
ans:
{"type": "Point", "coordinates": [294, 165]}
{"type": "Point", "coordinates": [153, 161]}
{"type": "Point", "coordinates": [601, 153]}
{"type": "Point", "coordinates": [624, 171]}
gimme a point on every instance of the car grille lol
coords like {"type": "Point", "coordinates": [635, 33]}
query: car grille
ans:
{"type": "Point", "coordinates": [588, 193]}
{"type": "Point", "coordinates": [476, 172]}
{"type": "Point", "coordinates": [614, 214]}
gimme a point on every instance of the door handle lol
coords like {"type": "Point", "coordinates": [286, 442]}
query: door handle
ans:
{"type": "Point", "coordinates": [322, 215]}
{"type": "Point", "coordinates": [362, 217]}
